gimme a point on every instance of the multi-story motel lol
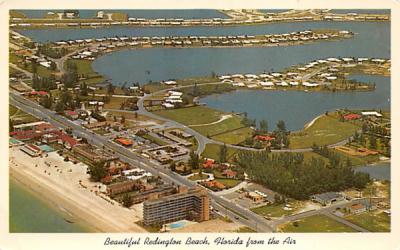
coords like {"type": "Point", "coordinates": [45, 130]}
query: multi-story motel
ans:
{"type": "Point", "coordinates": [191, 203]}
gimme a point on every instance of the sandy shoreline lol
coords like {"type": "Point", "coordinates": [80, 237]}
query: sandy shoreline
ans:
{"type": "Point", "coordinates": [62, 188]}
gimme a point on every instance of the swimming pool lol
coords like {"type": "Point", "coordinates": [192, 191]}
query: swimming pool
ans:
{"type": "Point", "coordinates": [178, 224]}
{"type": "Point", "coordinates": [46, 148]}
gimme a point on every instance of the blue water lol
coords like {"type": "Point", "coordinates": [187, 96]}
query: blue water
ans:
{"type": "Point", "coordinates": [46, 148]}
{"type": "Point", "coordinates": [297, 108]}
{"type": "Point", "coordinates": [371, 40]}
{"type": "Point", "coordinates": [146, 13]}
{"type": "Point", "coordinates": [381, 30]}
{"type": "Point", "coordinates": [177, 224]}
{"type": "Point", "coordinates": [30, 214]}
{"type": "Point", "coordinates": [380, 171]}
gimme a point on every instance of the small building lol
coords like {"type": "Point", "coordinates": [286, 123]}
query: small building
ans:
{"type": "Point", "coordinates": [357, 208]}
{"type": "Point", "coordinates": [120, 187]}
{"type": "Point", "coordinates": [124, 142]}
{"type": "Point", "coordinates": [255, 197]}
{"type": "Point", "coordinates": [350, 117]}
{"type": "Point", "coordinates": [214, 185]}
{"type": "Point", "coordinates": [230, 174]}
{"type": "Point", "coordinates": [71, 114]}
{"type": "Point", "coordinates": [371, 113]}
{"type": "Point", "coordinates": [327, 198]}
{"type": "Point", "coordinates": [264, 138]}
{"type": "Point", "coordinates": [31, 150]}
{"type": "Point", "coordinates": [208, 163]}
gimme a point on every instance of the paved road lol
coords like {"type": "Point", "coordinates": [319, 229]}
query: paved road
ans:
{"type": "Point", "coordinates": [252, 220]}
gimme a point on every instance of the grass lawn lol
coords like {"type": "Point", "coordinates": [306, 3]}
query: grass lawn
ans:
{"type": "Point", "coordinates": [85, 68]}
{"type": "Point", "coordinates": [316, 224]}
{"type": "Point", "coordinates": [197, 177]}
{"type": "Point", "coordinates": [274, 210]}
{"type": "Point", "coordinates": [115, 102]}
{"type": "Point", "coordinates": [326, 130]}
{"type": "Point", "coordinates": [17, 14]}
{"type": "Point", "coordinates": [20, 116]}
{"type": "Point", "coordinates": [309, 155]}
{"type": "Point", "coordinates": [229, 183]}
{"type": "Point", "coordinates": [13, 71]}
{"type": "Point", "coordinates": [191, 115]}
{"type": "Point", "coordinates": [212, 151]}
{"type": "Point", "coordinates": [374, 222]}
{"type": "Point", "coordinates": [357, 160]}
{"type": "Point", "coordinates": [234, 137]}
{"type": "Point", "coordinates": [229, 125]}
{"type": "Point", "coordinates": [118, 16]}
{"type": "Point", "coordinates": [12, 110]}
{"type": "Point", "coordinates": [154, 140]}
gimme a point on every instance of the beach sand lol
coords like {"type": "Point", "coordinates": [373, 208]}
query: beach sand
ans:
{"type": "Point", "coordinates": [62, 187]}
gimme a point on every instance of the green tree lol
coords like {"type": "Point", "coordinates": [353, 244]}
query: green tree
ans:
{"type": "Point", "coordinates": [223, 153]}
{"type": "Point", "coordinates": [372, 142]}
{"type": "Point", "coordinates": [127, 200]}
{"type": "Point", "coordinates": [46, 101]}
{"type": "Point", "coordinates": [98, 171]}
{"type": "Point", "coordinates": [281, 126]}
{"type": "Point", "coordinates": [263, 126]}
{"type": "Point", "coordinates": [110, 89]}
{"type": "Point", "coordinates": [60, 107]}
{"type": "Point", "coordinates": [194, 160]}
{"type": "Point", "coordinates": [53, 66]}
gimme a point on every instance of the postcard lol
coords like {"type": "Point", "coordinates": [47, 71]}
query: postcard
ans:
{"type": "Point", "coordinates": [189, 126]}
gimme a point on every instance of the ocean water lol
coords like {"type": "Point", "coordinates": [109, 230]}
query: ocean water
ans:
{"type": "Point", "coordinates": [31, 214]}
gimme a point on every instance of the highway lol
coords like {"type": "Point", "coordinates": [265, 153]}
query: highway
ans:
{"type": "Point", "coordinates": [232, 210]}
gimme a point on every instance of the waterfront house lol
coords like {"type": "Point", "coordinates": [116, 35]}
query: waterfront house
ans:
{"type": "Point", "coordinates": [350, 117]}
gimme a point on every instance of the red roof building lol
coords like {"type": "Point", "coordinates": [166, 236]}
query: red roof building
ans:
{"type": "Point", "coordinates": [124, 142]}
{"type": "Point", "coordinates": [42, 93]}
{"type": "Point", "coordinates": [26, 135]}
{"type": "Point", "coordinates": [107, 179]}
{"type": "Point", "coordinates": [72, 114]}
{"type": "Point", "coordinates": [208, 163]}
{"type": "Point", "coordinates": [351, 117]}
{"type": "Point", "coordinates": [264, 138]}
{"type": "Point", "coordinates": [213, 183]}
{"type": "Point", "coordinates": [229, 173]}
